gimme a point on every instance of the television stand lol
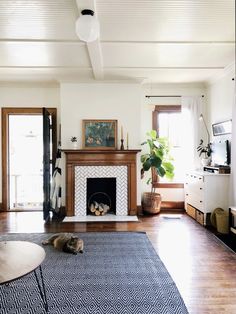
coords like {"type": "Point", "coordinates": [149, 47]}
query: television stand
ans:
{"type": "Point", "coordinates": [217, 169]}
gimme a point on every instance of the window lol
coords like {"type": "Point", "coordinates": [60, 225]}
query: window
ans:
{"type": "Point", "coordinates": [167, 121]}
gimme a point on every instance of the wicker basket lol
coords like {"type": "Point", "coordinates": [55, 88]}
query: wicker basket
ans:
{"type": "Point", "coordinates": [151, 202]}
{"type": "Point", "coordinates": [222, 222]}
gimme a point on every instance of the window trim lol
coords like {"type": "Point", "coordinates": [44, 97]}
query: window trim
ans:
{"type": "Point", "coordinates": [157, 110]}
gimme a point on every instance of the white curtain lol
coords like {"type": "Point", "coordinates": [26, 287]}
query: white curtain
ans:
{"type": "Point", "coordinates": [191, 110]}
{"type": "Point", "coordinates": [233, 158]}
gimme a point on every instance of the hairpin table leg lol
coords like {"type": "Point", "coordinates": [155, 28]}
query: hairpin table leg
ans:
{"type": "Point", "coordinates": [42, 290]}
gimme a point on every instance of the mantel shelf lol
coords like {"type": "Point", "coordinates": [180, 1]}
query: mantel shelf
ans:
{"type": "Point", "coordinates": [100, 151]}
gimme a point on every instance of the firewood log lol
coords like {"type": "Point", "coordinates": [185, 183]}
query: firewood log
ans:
{"type": "Point", "coordinates": [106, 207]}
{"type": "Point", "coordinates": [92, 208]}
{"type": "Point", "coordinates": [100, 208]}
{"type": "Point", "coordinates": [97, 213]}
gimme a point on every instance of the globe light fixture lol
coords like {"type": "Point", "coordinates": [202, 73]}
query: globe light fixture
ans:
{"type": "Point", "coordinates": [87, 26]}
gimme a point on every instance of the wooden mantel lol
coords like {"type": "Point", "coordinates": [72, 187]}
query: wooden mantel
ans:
{"type": "Point", "coordinates": [84, 157]}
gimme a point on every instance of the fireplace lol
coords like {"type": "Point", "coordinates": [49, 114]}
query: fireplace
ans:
{"type": "Point", "coordinates": [82, 165]}
{"type": "Point", "coordinates": [101, 196]}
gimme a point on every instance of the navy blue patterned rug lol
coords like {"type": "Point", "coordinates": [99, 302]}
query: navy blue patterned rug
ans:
{"type": "Point", "coordinates": [119, 272]}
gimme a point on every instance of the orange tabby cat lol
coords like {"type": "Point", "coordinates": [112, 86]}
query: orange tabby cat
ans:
{"type": "Point", "coordinates": [66, 242]}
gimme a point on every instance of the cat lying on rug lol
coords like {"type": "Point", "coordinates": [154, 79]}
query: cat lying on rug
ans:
{"type": "Point", "coordinates": [66, 242]}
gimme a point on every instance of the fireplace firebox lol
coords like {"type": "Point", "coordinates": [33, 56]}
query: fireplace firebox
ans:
{"type": "Point", "coordinates": [101, 196]}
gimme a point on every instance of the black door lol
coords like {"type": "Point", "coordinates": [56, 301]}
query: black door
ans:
{"type": "Point", "coordinates": [46, 163]}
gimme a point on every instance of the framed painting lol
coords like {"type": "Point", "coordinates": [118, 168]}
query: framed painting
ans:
{"type": "Point", "coordinates": [222, 128]}
{"type": "Point", "coordinates": [99, 134]}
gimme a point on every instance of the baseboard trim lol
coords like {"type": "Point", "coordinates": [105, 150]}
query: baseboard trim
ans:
{"type": "Point", "coordinates": [172, 205]}
{"type": "Point", "coordinates": [139, 210]}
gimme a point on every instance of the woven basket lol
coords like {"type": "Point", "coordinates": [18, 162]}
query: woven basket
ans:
{"type": "Point", "coordinates": [213, 215]}
{"type": "Point", "coordinates": [151, 202]}
{"type": "Point", "coordinates": [222, 222]}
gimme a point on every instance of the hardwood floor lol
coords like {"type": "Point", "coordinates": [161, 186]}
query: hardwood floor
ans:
{"type": "Point", "coordinates": [203, 268]}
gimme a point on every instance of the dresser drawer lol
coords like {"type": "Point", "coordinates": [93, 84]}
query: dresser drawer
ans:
{"type": "Point", "coordinates": [195, 200]}
{"type": "Point", "coordinates": [195, 183]}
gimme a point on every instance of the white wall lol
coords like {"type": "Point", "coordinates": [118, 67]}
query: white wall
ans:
{"type": "Point", "coordinates": [27, 95]}
{"type": "Point", "coordinates": [221, 95]}
{"type": "Point", "coordinates": [125, 102]}
{"type": "Point", "coordinates": [148, 105]}
{"type": "Point", "coordinates": [220, 99]}
{"type": "Point", "coordinates": [101, 101]}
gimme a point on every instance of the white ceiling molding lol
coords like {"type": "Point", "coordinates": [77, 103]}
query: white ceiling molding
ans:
{"type": "Point", "coordinates": [229, 69]}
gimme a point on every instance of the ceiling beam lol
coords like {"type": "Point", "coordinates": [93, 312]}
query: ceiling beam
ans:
{"type": "Point", "coordinates": [120, 42]}
{"type": "Point", "coordinates": [96, 59]}
{"type": "Point", "coordinates": [94, 48]}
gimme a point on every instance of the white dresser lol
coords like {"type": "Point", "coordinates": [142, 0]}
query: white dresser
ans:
{"type": "Point", "coordinates": [204, 192]}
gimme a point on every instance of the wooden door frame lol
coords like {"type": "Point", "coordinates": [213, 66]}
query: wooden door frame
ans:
{"type": "Point", "coordinates": [6, 112]}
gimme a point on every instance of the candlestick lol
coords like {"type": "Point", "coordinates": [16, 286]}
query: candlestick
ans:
{"type": "Point", "coordinates": [127, 141]}
{"type": "Point", "coordinates": [122, 145]}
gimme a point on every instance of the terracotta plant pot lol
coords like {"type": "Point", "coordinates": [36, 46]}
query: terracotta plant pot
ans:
{"type": "Point", "coordinates": [151, 202]}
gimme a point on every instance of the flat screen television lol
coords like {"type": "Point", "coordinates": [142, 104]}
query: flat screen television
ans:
{"type": "Point", "coordinates": [220, 153]}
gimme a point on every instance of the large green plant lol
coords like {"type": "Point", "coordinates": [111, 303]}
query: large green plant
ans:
{"type": "Point", "coordinates": [158, 157]}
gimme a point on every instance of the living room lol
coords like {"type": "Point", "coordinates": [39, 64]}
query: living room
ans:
{"type": "Point", "coordinates": [173, 55]}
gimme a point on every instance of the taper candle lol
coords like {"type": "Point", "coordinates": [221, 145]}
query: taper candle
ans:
{"type": "Point", "coordinates": [127, 140]}
{"type": "Point", "coordinates": [121, 132]}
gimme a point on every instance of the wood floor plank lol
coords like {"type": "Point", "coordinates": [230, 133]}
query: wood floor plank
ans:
{"type": "Point", "coordinates": [203, 268]}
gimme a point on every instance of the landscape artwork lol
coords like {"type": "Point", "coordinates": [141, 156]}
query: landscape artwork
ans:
{"type": "Point", "coordinates": [99, 134]}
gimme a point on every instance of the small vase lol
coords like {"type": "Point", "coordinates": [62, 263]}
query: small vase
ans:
{"type": "Point", "coordinates": [205, 161]}
{"type": "Point", "coordinates": [74, 145]}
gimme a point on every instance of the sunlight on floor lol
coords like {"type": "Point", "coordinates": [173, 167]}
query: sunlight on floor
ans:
{"type": "Point", "coordinates": [27, 222]}
{"type": "Point", "coordinates": [174, 242]}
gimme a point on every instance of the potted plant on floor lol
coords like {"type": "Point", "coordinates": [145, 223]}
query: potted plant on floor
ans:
{"type": "Point", "coordinates": [157, 161]}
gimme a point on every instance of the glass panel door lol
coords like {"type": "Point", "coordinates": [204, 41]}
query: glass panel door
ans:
{"type": "Point", "coordinates": [26, 161]}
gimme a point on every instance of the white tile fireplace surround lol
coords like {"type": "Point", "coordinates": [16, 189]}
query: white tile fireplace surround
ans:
{"type": "Point", "coordinates": [82, 173]}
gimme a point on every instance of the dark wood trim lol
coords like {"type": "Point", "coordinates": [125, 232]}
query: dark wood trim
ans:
{"type": "Point", "coordinates": [168, 108]}
{"type": "Point", "coordinates": [101, 158]}
{"type": "Point", "coordinates": [139, 210]}
{"type": "Point", "coordinates": [168, 185]}
{"type": "Point", "coordinates": [172, 205]}
{"type": "Point", "coordinates": [5, 135]}
{"type": "Point", "coordinates": [160, 109]}
{"type": "Point", "coordinates": [97, 151]}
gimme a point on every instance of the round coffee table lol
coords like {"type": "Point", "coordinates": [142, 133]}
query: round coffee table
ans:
{"type": "Point", "coordinates": [19, 258]}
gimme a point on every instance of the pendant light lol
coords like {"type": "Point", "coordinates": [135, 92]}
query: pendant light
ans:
{"type": "Point", "coordinates": [87, 26]}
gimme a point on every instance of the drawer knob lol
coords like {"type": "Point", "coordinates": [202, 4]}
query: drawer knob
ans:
{"type": "Point", "coordinates": [200, 201]}
{"type": "Point", "coordinates": [200, 188]}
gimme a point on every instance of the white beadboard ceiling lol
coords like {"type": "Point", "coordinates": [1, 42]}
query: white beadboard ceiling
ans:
{"type": "Point", "coordinates": [159, 41]}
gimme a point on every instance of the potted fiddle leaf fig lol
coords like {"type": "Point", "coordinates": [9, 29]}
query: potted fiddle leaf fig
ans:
{"type": "Point", "coordinates": [158, 162]}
